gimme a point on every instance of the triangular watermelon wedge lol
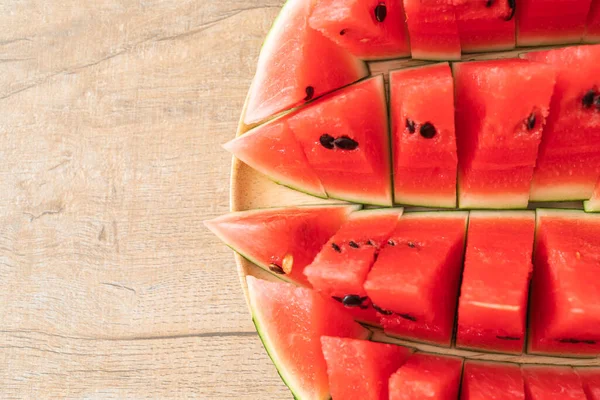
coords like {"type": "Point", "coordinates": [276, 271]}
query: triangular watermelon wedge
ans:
{"type": "Point", "coordinates": [276, 239]}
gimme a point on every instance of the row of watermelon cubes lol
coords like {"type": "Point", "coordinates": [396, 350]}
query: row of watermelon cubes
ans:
{"type": "Point", "coordinates": [508, 131]}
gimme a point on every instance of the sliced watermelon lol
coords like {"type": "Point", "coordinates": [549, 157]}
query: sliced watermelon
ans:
{"type": "Point", "coordinates": [271, 237]}
{"type": "Point", "coordinates": [360, 370]}
{"type": "Point", "coordinates": [297, 64]}
{"type": "Point", "coordinates": [427, 376]}
{"type": "Point", "coordinates": [486, 25]}
{"type": "Point", "coordinates": [544, 22]}
{"type": "Point", "coordinates": [590, 378]}
{"type": "Point", "coordinates": [565, 294]}
{"type": "Point", "coordinates": [569, 158]}
{"type": "Point", "coordinates": [341, 268]}
{"type": "Point", "coordinates": [414, 281]}
{"type": "Point", "coordinates": [491, 381]}
{"type": "Point", "coordinates": [592, 31]}
{"type": "Point", "coordinates": [433, 29]}
{"type": "Point", "coordinates": [493, 302]}
{"type": "Point", "coordinates": [369, 29]}
{"type": "Point", "coordinates": [345, 138]}
{"type": "Point", "coordinates": [290, 321]}
{"type": "Point", "coordinates": [593, 204]}
{"type": "Point", "coordinates": [552, 383]}
{"type": "Point", "coordinates": [424, 143]}
{"type": "Point", "coordinates": [501, 108]}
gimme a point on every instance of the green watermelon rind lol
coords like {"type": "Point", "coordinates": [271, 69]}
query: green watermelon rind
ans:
{"type": "Point", "coordinates": [367, 213]}
{"type": "Point", "coordinates": [591, 206]}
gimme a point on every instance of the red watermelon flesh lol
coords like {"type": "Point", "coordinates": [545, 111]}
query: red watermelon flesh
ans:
{"type": "Point", "coordinates": [290, 321]}
{"type": "Point", "coordinates": [427, 376]}
{"type": "Point", "coordinates": [267, 236]}
{"type": "Point", "coordinates": [369, 29]}
{"type": "Point", "coordinates": [593, 204]}
{"type": "Point", "coordinates": [592, 31]}
{"type": "Point", "coordinates": [486, 25]}
{"type": "Point", "coordinates": [414, 281]}
{"type": "Point", "coordinates": [494, 293]}
{"type": "Point", "coordinates": [345, 138]}
{"type": "Point", "coordinates": [424, 142]}
{"type": "Point", "coordinates": [433, 29]}
{"type": "Point", "coordinates": [501, 108]}
{"type": "Point", "coordinates": [297, 64]}
{"type": "Point", "coordinates": [552, 383]}
{"type": "Point", "coordinates": [590, 378]}
{"type": "Point", "coordinates": [565, 294]}
{"type": "Point", "coordinates": [569, 158]}
{"type": "Point", "coordinates": [544, 22]}
{"type": "Point", "coordinates": [341, 267]}
{"type": "Point", "coordinates": [491, 381]}
{"type": "Point", "coordinates": [360, 370]}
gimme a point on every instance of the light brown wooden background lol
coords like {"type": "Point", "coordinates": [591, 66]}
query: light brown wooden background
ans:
{"type": "Point", "coordinates": [112, 113]}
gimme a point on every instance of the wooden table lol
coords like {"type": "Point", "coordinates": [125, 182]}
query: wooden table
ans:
{"type": "Point", "coordinates": [112, 114]}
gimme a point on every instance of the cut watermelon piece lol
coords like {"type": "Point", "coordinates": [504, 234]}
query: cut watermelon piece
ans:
{"type": "Point", "coordinates": [593, 204]}
{"type": "Point", "coordinates": [433, 29]}
{"type": "Point", "coordinates": [493, 301]}
{"type": "Point", "coordinates": [592, 31]}
{"type": "Point", "coordinates": [565, 294]}
{"type": "Point", "coordinates": [552, 383]}
{"type": "Point", "coordinates": [271, 237]}
{"type": "Point", "coordinates": [545, 22]}
{"type": "Point", "coordinates": [424, 143]}
{"type": "Point", "coordinates": [414, 281]}
{"type": "Point", "coordinates": [568, 164]}
{"type": "Point", "coordinates": [290, 321]}
{"type": "Point", "coordinates": [501, 108]}
{"type": "Point", "coordinates": [427, 376]}
{"type": "Point", "coordinates": [492, 381]}
{"type": "Point", "coordinates": [369, 29]}
{"type": "Point", "coordinates": [297, 64]}
{"type": "Point", "coordinates": [341, 268]}
{"type": "Point", "coordinates": [345, 138]}
{"type": "Point", "coordinates": [360, 370]}
{"type": "Point", "coordinates": [486, 25]}
{"type": "Point", "coordinates": [590, 378]}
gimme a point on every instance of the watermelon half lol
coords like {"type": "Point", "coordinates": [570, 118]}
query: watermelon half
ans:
{"type": "Point", "coordinates": [592, 30]}
{"type": "Point", "coordinates": [552, 383]}
{"type": "Point", "coordinates": [491, 381]}
{"type": "Point", "coordinates": [486, 25]}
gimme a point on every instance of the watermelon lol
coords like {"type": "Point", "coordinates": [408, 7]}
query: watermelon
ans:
{"type": "Point", "coordinates": [360, 370]}
{"type": "Point", "coordinates": [433, 29]}
{"type": "Point", "coordinates": [290, 321]}
{"type": "Point", "coordinates": [279, 239]}
{"type": "Point", "coordinates": [427, 376]}
{"type": "Point", "coordinates": [590, 378]}
{"type": "Point", "coordinates": [341, 268]}
{"type": "Point", "coordinates": [565, 294]}
{"type": "Point", "coordinates": [592, 31]}
{"type": "Point", "coordinates": [501, 108]}
{"type": "Point", "coordinates": [544, 22]}
{"type": "Point", "coordinates": [369, 29]}
{"type": "Point", "coordinates": [424, 143]}
{"type": "Point", "coordinates": [593, 204]}
{"type": "Point", "coordinates": [552, 383]}
{"type": "Point", "coordinates": [568, 164]}
{"type": "Point", "coordinates": [297, 64]}
{"type": "Point", "coordinates": [491, 381]}
{"type": "Point", "coordinates": [414, 281]}
{"type": "Point", "coordinates": [486, 25]}
{"type": "Point", "coordinates": [493, 302]}
{"type": "Point", "coordinates": [346, 140]}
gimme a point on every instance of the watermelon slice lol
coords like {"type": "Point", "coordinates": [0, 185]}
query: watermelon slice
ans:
{"type": "Point", "coordinates": [297, 64]}
{"type": "Point", "coordinates": [345, 138]}
{"type": "Point", "coordinates": [433, 29]}
{"type": "Point", "coordinates": [414, 281]}
{"type": "Point", "coordinates": [290, 321]}
{"type": "Point", "coordinates": [424, 143]}
{"type": "Point", "coordinates": [495, 284]}
{"type": "Point", "coordinates": [568, 164]}
{"type": "Point", "coordinates": [491, 381]}
{"type": "Point", "coordinates": [593, 204]}
{"type": "Point", "coordinates": [278, 239]}
{"type": "Point", "coordinates": [590, 378]}
{"type": "Point", "coordinates": [341, 268]}
{"type": "Point", "coordinates": [552, 383]}
{"type": "Point", "coordinates": [501, 108]}
{"type": "Point", "coordinates": [360, 370]}
{"type": "Point", "coordinates": [486, 25]}
{"type": "Point", "coordinates": [544, 22]}
{"type": "Point", "coordinates": [369, 29]}
{"type": "Point", "coordinates": [565, 294]}
{"type": "Point", "coordinates": [592, 31]}
{"type": "Point", "coordinates": [427, 376]}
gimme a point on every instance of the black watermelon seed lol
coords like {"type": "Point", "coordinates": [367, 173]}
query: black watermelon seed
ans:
{"type": "Point", "coordinates": [381, 310]}
{"type": "Point", "coordinates": [588, 98]}
{"type": "Point", "coordinates": [411, 245]}
{"type": "Point", "coordinates": [326, 141]}
{"type": "Point", "coordinates": [489, 3]}
{"type": "Point", "coordinates": [353, 244]}
{"type": "Point", "coordinates": [391, 242]}
{"type": "Point", "coordinates": [336, 298]}
{"type": "Point", "coordinates": [276, 269]}
{"type": "Point", "coordinates": [576, 341]}
{"type": "Point", "coordinates": [345, 143]}
{"type": "Point", "coordinates": [530, 121]}
{"type": "Point", "coordinates": [342, 32]}
{"type": "Point", "coordinates": [589, 341]}
{"type": "Point", "coordinates": [597, 102]}
{"type": "Point", "coordinates": [512, 4]}
{"type": "Point", "coordinates": [427, 130]}
{"type": "Point", "coordinates": [508, 338]}
{"type": "Point", "coordinates": [336, 247]}
{"type": "Point", "coordinates": [380, 12]}
{"type": "Point", "coordinates": [310, 92]}
{"type": "Point", "coordinates": [353, 300]}
{"type": "Point", "coordinates": [410, 125]}
{"type": "Point", "coordinates": [370, 242]}
{"type": "Point", "coordinates": [408, 317]}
